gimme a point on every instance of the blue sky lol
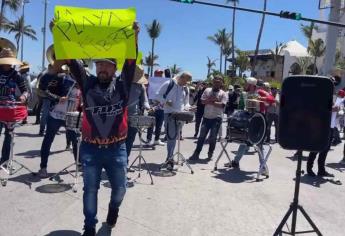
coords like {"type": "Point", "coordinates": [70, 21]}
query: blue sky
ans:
{"type": "Point", "coordinates": [185, 28]}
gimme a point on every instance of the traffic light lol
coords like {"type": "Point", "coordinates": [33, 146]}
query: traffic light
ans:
{"type": "Point", "coordinates": [187, 1]}
{"type": "Point", "coordinates": [290, 15]}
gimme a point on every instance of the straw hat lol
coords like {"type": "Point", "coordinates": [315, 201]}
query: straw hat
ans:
{"type": "Point", "coordinates": [139, 75]}
{"type": "Point", "coordinates": [24, 66]}
{"type": "Point", "coordinates": [7, 57]}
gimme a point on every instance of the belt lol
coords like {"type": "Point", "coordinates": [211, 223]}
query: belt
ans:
{"type": "Point", "coordinates": [104, 146]}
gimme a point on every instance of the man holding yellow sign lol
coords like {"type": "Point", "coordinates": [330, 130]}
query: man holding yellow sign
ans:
{"type": "Point", "coordinates": [102, 35]}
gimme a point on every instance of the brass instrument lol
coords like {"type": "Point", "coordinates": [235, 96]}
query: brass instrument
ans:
{"type": "Point", "coordinates": [5, 43]}
{"type": "Point", "coordinates": [50, 54]}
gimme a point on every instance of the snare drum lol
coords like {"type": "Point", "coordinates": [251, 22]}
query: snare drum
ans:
{"type": "Point", "coordinates": [185, 116]}
{"type": "Point", "coordinates": [141, 121]}
{"type": "Point", "coordinates": [247, 127]}
{"type": "Point", "coordinates": [73, 120]}
{"type": "Point", "coordinates": [12, 112]}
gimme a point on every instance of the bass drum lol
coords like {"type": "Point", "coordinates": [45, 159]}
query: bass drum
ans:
{"type": "Point", "coordinates": [246, 127]}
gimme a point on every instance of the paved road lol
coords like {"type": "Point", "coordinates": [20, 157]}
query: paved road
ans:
{"type": "Point", "coordinates": [226, 202]}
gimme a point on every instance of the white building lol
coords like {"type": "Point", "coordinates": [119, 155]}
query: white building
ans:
{"type": "Point", "coordinates": [286, 61]}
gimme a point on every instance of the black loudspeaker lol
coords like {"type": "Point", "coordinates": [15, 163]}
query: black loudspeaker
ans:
{"type": "Point", "coordinates": [305, 113]}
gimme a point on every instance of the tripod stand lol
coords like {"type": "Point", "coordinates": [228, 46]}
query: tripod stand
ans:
{"type": "Point", "coordinates": [140, 157]}
{"type": "Point", "coordinates": [76, 164]}
{"type": "Point", "coordinates": [294, 207]}
{"type": "Point", "coordinates": [178, 154]}
{"type": "Point", "coordinates": [7, 166]}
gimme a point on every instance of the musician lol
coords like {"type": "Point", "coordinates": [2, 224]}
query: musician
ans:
{"type": "Point", "coordinates": [24, 72]}
{"type": "Point", "coordinates": [272, 115]}
{"type": "Point", "coordinates": [138, 101]}
{"type": "Point", "coordinates": [174, 94]}
{"type": "Point", "coordinates": [104, 131]}
{"type": "Point", "coordinates": [46, 84]}
{"type": "Point", "coordinates": [63, 94]}
{"type": "Point", "coordinates": [214, 100]}
{"type": "Point", "coordinates": [9, 80]}
{"type": "Point", "coordinates": [200, 107]}
{"type": "Point", "coordinates": [251, 99]}
{"type": "Point", "coordinates": [158, 113]}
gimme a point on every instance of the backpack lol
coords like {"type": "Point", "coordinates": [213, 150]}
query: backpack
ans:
{"type": "Point", "coordinates": [170, 86]}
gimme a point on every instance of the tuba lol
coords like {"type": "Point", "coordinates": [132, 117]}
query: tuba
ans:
{"type": "Point", "coordinates": [50, 54]}
{"type": "Point", "coordinates": [5, 43]}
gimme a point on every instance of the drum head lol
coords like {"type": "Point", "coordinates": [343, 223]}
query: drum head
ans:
{"type": "Point", "coordinates": [257, 129]}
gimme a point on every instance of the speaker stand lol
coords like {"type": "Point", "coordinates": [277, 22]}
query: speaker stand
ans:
{"type": "Point", "coordinates": [294, 207]}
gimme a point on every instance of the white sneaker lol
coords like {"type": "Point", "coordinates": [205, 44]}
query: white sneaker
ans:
{"type": "Point", "coordinates": [159, 143]}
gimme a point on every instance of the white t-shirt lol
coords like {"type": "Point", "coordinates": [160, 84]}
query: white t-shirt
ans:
{"type": "Point", "coordinates": [337, 103]}
{"type": "Point", "coordinates": [211, 111]}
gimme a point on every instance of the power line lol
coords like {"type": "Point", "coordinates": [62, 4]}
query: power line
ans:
{"type": "Point", "coordinates": [282, 14]}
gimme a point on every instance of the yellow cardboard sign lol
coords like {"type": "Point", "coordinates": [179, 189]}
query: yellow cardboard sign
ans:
{"type": "Point", "coordinates": [83, 33]}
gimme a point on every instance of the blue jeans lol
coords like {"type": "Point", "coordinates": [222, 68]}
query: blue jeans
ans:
{"type": "Point", "coordinates": [172, 129]}
{"type": "Point", "coordinates": [45, 113]}
{"type": "Point", "coordinates": [53, 125]}
{"type": "Point", "coordinates": [6, 146]}
{"type": "Point", "coordinates": [212, 126]}
{"type": "Point", "coordinates": [159, 115]}
{"type": "Point", "coordinates": [132, 132]}
{"type": "Point", "coordinates": [242, 149]}
{"type": "Point", "coordinates": [114, 160]}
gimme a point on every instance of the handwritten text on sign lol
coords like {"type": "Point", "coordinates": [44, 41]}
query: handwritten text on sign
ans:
{"type": "Point", "coordinates": [82, 33]}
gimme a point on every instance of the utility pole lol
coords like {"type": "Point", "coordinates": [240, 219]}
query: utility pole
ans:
{"type": "Point", "coordinates": [22, 42]}
{"type": "Point", "coordinates": [332, 37]}
{"type": "Point", "coordinates": [44, 30]}
{"type": "Point", "coordinates": [233, 69]}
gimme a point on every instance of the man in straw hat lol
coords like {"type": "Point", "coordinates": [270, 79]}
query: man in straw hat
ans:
{"type": "Point", "coordinates": [9, 80]}
{"type": "Point", "coordinates": [138, 101]}
{"type": "Point", "coordinates": [63, 95]}
{"type": "Point", "coordinates": [24, 72]}
{"type": "Point", "coordinates": [104, 131]}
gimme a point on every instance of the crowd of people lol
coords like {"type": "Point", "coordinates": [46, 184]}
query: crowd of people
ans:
{"type": "Point", "coordinates": [107, 101]}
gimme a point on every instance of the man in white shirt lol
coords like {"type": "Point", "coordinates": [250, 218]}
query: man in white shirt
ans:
{"type": "Point", "coordinates": [174, 94]}
{"type": "Point", "coordinates": [215, 100]}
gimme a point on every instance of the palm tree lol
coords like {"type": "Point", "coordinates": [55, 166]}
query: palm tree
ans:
{"type": "Point", "coordinates": [150, 62]}
{"type": "Point", "coordinates": [316, 48]}
{"type": "Point", "coordinates": [220, 39]}
{"type": "Point", "coordinates": [242, 61]}
{"type": "Point", "coordinates": [13, 5]}
{"type": "Point", "coordinates": [210, 64]}
{"type": "Point", "coordinates": [234, 2]}
{"type": "Point", "coordinates": [175, 70]}
{"type": "Point", "coordinates": [304, 63]}
{"type": "Point", "coordinates": [308, 31]}
{"type": "Point", "coordinates": [19, 28]}
{"type": "Point", "coordinates": [259, 39]}
{"type": "Point", "coordinates": [276, 53]}
{"type": "Point", "coordinates": [227, 51]}
{"type": "Point", "coordinates": [154, 30]}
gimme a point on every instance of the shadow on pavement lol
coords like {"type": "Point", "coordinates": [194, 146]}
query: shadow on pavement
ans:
{"type": "Point", "coordinates": [313, 181]}
{"type": "Point", "coordinates": [234, 175]}
{"type": "Point", "coordinates": [26, 179]}
{"type": "Point", "coordinates": [53, 188]}
{"type": "Point", "coordinates": [63, 233]}
{"type": "Point", "coordinates": [36, 153]}
{"type": "Point", "coordinates": [336, 166]}
{"type": "Point", "coordinates": [293, 158]}
{"type": "Point", "coordinates": [27, 135]}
